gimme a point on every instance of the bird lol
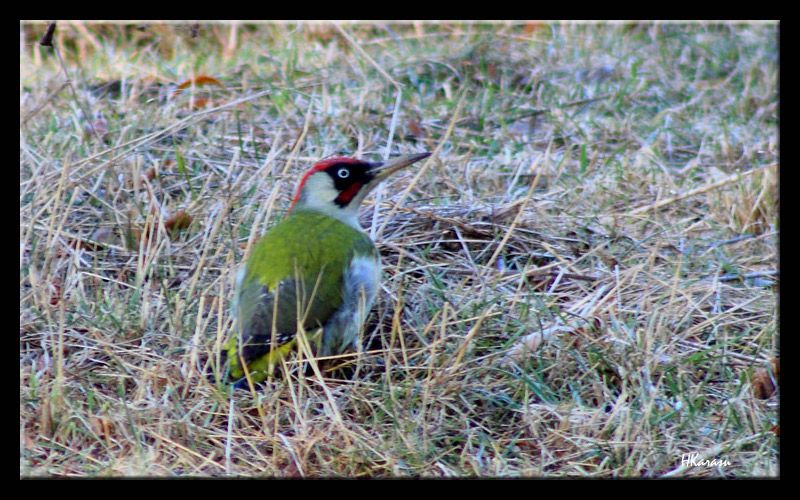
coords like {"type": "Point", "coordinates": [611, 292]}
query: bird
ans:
{"type": "Point", "coordinates": [316, 268]}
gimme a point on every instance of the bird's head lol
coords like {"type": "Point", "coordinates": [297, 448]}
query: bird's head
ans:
{"type": "Point", "coordinates": [337, 186]}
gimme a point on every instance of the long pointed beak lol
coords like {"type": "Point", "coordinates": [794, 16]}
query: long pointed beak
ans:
{"type": "Point", "coordinates": [384, 170]}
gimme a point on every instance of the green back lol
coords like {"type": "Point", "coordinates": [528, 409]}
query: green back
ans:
{"type": "Point", "coordinates": [308, 243]}
{"type": "Point", "coordinates": [304, 245]}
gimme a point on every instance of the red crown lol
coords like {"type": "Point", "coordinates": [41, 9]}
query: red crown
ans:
{"type": "Point", "coordinates": [318, 167]}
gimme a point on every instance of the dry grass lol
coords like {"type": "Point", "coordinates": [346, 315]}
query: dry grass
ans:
{"type": "Point", "coordinates": [581, 282]}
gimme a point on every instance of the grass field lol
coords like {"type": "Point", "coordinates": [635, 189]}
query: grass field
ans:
{"type": "Point", "coordinates": [581, 281]}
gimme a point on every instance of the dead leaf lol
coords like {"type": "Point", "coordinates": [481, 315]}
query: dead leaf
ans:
{"type": "Point", "coordinates": [198, 81]}
{"type": "Point", "coordinates": [151, 173]}
{"type": "Point", "coordinates": [531, 26]}
{"type": "Point", "coordinates": [178, 222]}
{"type": "Point", "coordinates": [529, 343]}
{"type": "Point", "coordinates": [134, 235]}
{"type": "Point", "coordinates": [45, 419]}
{"type": "Point", "coordinates": [99, 127]}
{"type": "Point", "coordinates": [102, 426]}
{"type": "Point", "coordinates": [202, 102]}
{"type": "Point", "coordinates": [765, 380]}
{"type": "Point", "coordinates": [55, 295]}
{"type": "Point", "coordinates": [95, 242]}
{"type": "Point", "coordinates": [415, 129]}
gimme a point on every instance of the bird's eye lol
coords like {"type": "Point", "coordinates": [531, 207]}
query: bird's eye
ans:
{"type": "Point", "coordinates": [343, 173]}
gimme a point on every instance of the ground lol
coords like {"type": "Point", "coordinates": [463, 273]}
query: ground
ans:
{"type": "Point", "coordinates": [581, 281]}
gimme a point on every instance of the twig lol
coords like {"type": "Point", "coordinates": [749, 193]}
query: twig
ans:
{"type": "Point", "coordinates": [731, 241]}
{"type": "Point", "coordinates": [517, 218]}
{"type": "Point", "coordinates": [44, 103]}
{"type": "Point", "coordinates": [572, 276]}
{"type": "Point", "coordinates": [47, 41]}
{"type": "Point", "coordinates": [696, 191]}
{"type": "Point", "coordinates": [399, 88]}
{"type": "Point", "coordinates": [299, 141]}
{"type": "Point", "coordinates": [386, 153]}
{"type": "Point", "coordinates": [366, 56]}
{"type": "Point", "coordinates": [187, 450]}
{"type": "Point", "coordinates": [229, 436]}
{"type": "Point", "coordinates": [757, 274]}
{"type": "Point", "coordinates": [581, 102]}
{"type": "Point", "coordinates": [404, 194]}
{"type": "Point", "coordinates": [153, 136]}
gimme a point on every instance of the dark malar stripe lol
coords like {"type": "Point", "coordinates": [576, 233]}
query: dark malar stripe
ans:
{"type": "Point", "coordinates": [346, 196]}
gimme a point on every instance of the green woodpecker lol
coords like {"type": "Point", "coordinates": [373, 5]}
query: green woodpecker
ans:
{"type": "Point", "coordinates": [316, 268]}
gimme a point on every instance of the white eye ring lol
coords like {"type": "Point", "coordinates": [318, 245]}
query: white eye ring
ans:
{"type": "Point", "coordinates": [343, 173]}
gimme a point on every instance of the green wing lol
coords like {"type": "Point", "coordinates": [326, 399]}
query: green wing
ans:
{"type": "Point", "coordinates": [283, 281]}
